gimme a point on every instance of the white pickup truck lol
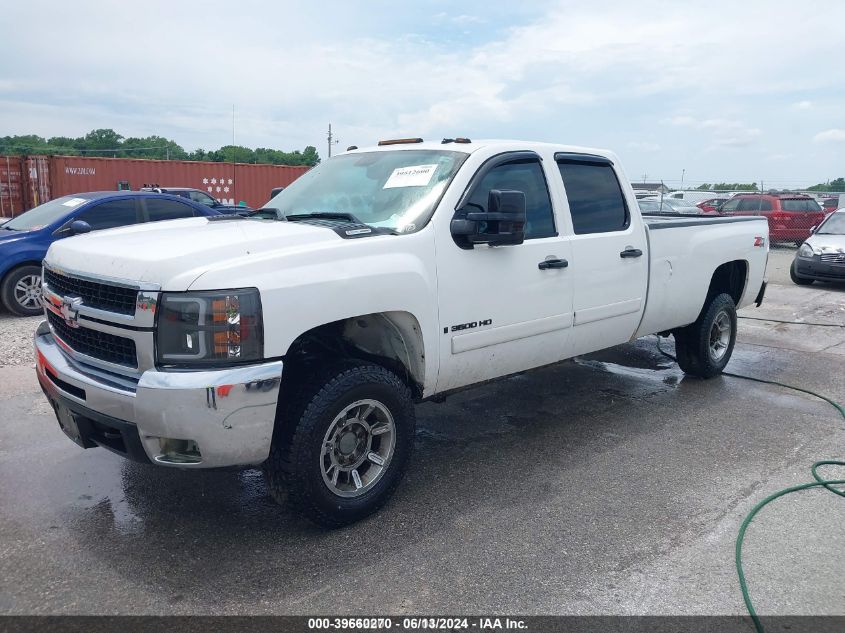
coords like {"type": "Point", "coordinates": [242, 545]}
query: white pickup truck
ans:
{"type": "Point", "coordinates": [300, 338]}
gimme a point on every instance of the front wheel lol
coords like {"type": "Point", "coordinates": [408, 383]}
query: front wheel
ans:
{"type": "Point", "coordinates": [21, 291]}
{"type": "Point", "coordinates": [704, 348]}
{"type": "Point", "coordinates": [793, 275]}
{"type": "Point", "coordinates": [341, 449]}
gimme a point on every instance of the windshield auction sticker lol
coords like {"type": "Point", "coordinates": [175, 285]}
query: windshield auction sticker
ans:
{"type": "Point", "coordinates": [73, 202]}
{"type": "Point", "coordinates": [413, 176]}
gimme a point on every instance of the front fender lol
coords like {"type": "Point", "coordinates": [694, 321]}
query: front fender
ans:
{"type": "Point", "coordinates": [19, 256]}
{"type": "Point", "coordinates": [345, 279]}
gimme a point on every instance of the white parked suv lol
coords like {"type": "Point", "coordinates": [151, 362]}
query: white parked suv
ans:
{"type": "Point", "coordinates": [299, 339]}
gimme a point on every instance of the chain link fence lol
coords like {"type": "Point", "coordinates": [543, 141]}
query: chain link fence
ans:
{"type": "Point", "coordinates": [792, 215]}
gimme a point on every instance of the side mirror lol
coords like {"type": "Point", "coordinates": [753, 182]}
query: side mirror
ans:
{"type": "Point", "coordinates": [813, 229]}
{"type": "Point", "coordinates": [502, 224]}
{"type": "Point", "coordinates": [78, 227]}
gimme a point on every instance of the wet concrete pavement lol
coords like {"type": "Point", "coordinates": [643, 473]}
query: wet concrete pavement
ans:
{"type": "Point", "coordinates": [611, 484]}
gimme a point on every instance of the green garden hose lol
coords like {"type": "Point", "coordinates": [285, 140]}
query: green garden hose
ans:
{"type": "Point", "coordinates": [827, 484]}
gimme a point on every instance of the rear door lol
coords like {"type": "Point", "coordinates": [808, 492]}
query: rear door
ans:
{"type": "Point", "coordinates": [798, 216]}
{"type": "Point", "coordinates": [157, 209]}
{"type": "Point", "coordinates": [609, 263]}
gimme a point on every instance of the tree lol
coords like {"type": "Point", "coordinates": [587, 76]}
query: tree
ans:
{"type": "Point", "coordinates": [100, 139]}
{"type": "Point", "coordinates": [837, 185]}
{"type": "Point", "coordinates": [107, 142]}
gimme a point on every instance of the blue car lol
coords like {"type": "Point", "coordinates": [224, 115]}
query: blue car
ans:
{"type": "Point", "coordinates": [25, 239]}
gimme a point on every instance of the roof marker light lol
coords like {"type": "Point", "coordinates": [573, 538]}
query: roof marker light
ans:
{"type": "Point", "coordinates": [400, 141]}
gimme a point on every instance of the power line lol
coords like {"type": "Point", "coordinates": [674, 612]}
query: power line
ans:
{"type": "Point", "coordinates": [81, 151]}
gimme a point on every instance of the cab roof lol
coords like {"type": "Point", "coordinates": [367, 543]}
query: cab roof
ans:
{"type": "Point", "coordinates": [476, 145]}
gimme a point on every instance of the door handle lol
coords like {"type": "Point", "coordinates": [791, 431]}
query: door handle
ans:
{"type": "Point", "coordinates": [630, 252]}
{"type": "Point", "coordinates": [552, 263]}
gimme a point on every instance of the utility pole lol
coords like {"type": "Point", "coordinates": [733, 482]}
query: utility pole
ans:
{"type": "Point", "coordinates": [332, 140]}
{"type": "Point", "coordinates": [683, 171]}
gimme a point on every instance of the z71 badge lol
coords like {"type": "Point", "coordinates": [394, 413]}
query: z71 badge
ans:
{"type": "Point", "coordinates": [467, 326]}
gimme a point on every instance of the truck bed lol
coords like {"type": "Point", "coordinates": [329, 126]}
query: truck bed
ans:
{"type": "Point", "coordinates": [684, 251]}
{"type": "Point", "coordinates": [677, 220]}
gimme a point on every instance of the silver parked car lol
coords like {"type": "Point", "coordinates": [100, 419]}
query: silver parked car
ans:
{"type": "Point", "coordinates": [668, 205]}
{"type": "Point", "coordinates": [822, 256]}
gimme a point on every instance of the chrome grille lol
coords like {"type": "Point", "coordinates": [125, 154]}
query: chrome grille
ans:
{"type": "Point", "coordinates": [94, 343]}
{"type": "Point", "coordinates": [94, 294]}
{"type": "Point", "coordinates": [833, 258]}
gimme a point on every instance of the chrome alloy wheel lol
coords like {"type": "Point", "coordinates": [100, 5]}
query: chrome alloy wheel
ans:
{"type": "Point", "coordinates": [357, 448]}
{"type": "Point", "coordinates": [27, 292]}
{"type": "Point", "coordinates": [720, 336]}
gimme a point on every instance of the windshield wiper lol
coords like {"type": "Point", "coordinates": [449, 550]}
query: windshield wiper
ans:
{"type": "Point", "coordinates": [325, 215]}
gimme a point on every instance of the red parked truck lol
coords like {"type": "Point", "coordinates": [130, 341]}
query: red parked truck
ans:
{"type": "Point", "coordinates": [791, 216]}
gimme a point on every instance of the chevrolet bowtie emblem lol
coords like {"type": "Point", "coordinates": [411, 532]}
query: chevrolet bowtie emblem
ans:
{"type": "Point", "coordinates": [70, 310]}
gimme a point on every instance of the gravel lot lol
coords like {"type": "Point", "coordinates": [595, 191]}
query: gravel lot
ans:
{"type": "Point", "coordinates": [16, 339]}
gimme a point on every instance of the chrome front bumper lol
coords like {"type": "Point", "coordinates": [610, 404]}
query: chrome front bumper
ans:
{"type": "Point", "coordinates": [227, 414]}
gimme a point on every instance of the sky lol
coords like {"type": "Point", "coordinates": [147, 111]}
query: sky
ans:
{"type": "Point", "coordinates": [710, 91]}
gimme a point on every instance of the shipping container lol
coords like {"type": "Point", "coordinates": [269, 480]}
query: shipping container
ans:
{"type": "Point", "coordinates": [230, 183]}
{"type": "Point", "coordinates": [26, 182]}
{"type": "Point", "coordinates": [11, 186]}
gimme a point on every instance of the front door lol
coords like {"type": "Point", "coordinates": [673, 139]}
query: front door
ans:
{"type": "Point", "coordinates": [508, 308]}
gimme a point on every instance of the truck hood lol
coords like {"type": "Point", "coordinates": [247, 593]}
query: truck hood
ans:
{"type": "Point", "coordinates": [174, 253]}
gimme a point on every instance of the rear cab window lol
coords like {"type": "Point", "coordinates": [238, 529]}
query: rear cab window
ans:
{"type": "Point", "coordinates": [596, 201]}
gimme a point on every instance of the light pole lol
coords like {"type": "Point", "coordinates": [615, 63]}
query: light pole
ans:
{"type": "Point", "coordinates": [683, 171]}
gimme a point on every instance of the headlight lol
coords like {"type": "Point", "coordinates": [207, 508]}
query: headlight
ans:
{"type": "Point", "coordinates": [806, 250]}
{"type": "Point", "coordinates": [209, 328]}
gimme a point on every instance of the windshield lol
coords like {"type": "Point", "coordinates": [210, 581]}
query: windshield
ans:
{"type": "Point", "coordinates": [834, 225]}
{"type": "Point", "coordinates": [44, 214]}
{"type": "Point", "coordinates": [396, 190]}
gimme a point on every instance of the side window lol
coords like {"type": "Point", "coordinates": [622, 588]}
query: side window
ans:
{"type": "Point", "coordinates": [595, 198]}
{"type": "Point", "coordinates": [526, 176]}
{"type": "Point", "coordinates": [766, 205]}
{"type": "Point", "coordinates": [749, 204]}
{"type": "Point", "coordinates": [159, 209]}
{"type": "Point", "coordinates": [109, 215]}
{"type": "Point", "coordinates": [202, 198]}
{"type": "Point", "coordinates": [730, 205]}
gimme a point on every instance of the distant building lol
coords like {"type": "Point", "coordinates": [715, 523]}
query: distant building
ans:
{"type": "Point", "coordinates": [656, 187]}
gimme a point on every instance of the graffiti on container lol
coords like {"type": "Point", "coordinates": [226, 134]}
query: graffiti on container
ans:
{"type": "Point", "coordinates": [81, 171]}
{"type": "Point", "coordinates": [218, 186]}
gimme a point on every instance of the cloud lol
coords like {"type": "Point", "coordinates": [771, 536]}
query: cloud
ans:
{"type": "Point", "coordinates": [835, 135]}
{"type": "Point", "coordinates": [722, 132]}
{"type": "Point", "coordinates": [461, 20]}
{"type": "Point", "coordinates": [555, 70]}
{"type": "Point", "coordinates": [643, 146]}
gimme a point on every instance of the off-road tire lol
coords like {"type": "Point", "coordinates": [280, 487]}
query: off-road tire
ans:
{"type": "Point", "coordinates": [693, 342]}
{"type": "Point", "coordinates": [293, 470]}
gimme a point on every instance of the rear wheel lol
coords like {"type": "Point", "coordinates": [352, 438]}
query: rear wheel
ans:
{"type": "Point", "coordinates": [793, 275]}
{"type": "Point", "coordinates": [341, 449]}
{"type": "Point", "coordinates": [21, 291]}
{"type": "Point", "coordinates": [704, 348]}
